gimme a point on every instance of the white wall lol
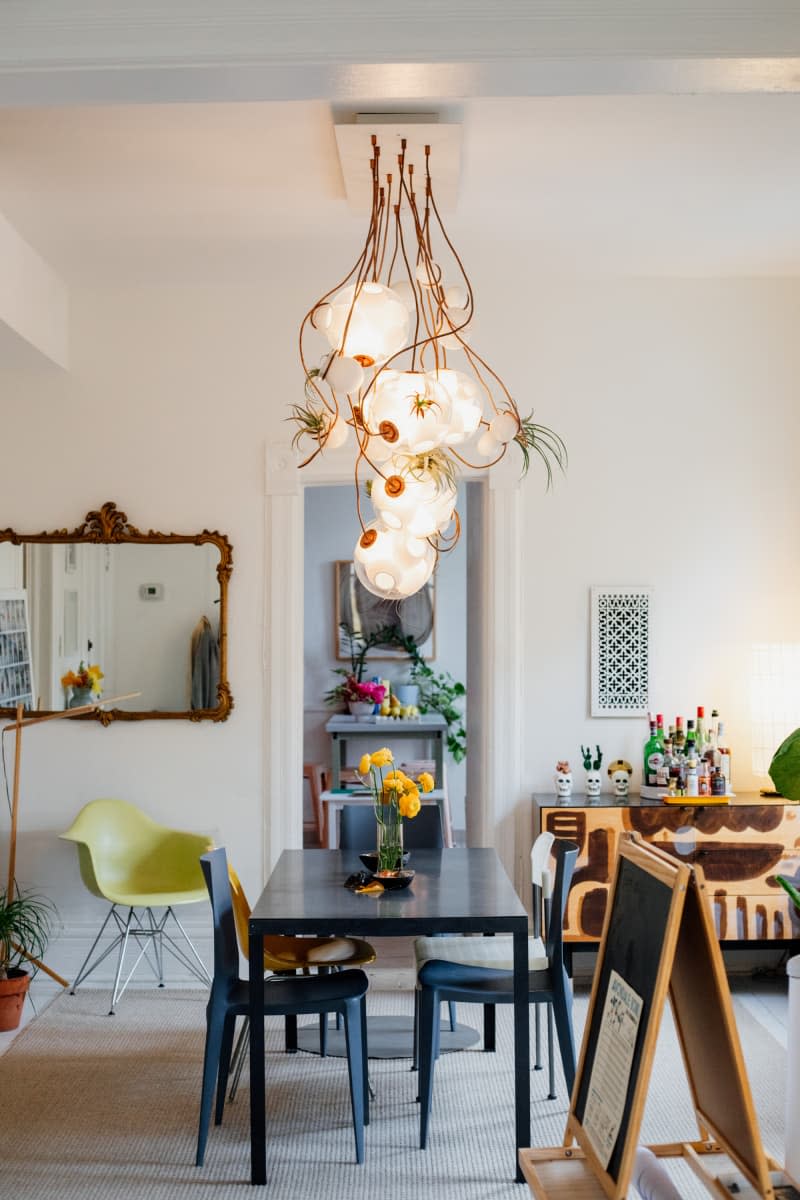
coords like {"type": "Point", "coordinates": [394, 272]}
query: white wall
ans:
{"type": "Point", "coordinates": [678, 401]}
{"type": "Point", "coordinates": [331, 529]}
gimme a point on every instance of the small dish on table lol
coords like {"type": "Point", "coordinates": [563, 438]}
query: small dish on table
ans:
{"type": "Point", "coordinates": [394, 880]}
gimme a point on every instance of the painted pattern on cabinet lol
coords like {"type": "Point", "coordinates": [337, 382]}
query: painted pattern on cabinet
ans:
{"type": "Point", "coordinates": [741, 850]}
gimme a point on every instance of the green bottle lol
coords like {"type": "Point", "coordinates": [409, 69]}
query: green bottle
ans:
{"type": "Point", "coordinates": [653, 757]}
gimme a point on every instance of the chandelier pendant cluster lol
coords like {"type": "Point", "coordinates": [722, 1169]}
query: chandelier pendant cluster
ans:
{"type": "Point", "coordinates": [391, 325]}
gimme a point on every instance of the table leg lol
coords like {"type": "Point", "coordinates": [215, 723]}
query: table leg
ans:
{"type": "Point", "coordinates": [258, 1142]}
{"type": "Point", "coordinates": [522, 1050]}
{"type": "Point", "coordinates": [337, 748]}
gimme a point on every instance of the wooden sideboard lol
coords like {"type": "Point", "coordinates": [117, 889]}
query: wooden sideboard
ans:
{"type": "Point", "coordinates": [741, 845]}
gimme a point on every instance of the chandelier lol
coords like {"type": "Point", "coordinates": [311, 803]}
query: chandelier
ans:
{"type": "Point", "coordinates": [400, 370]}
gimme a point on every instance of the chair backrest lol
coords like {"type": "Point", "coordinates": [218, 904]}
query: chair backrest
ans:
{"type": "Point", "coordinates": [424, 831]}
{"type": "Point", "coordinates": [119, 846]}
{"type": "Point", "coordinates": [214, 866]}
{"type": "Point", "coordinates": [358, 828]}
{"type": "Point", "coordinates": [566, 855]}
{"type": "Point", "coordinates": [541, 878]}
{"type": "Point", "coordinates": [241, 911]}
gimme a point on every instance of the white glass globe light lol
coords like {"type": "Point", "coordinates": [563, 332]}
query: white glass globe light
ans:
{"type": "Point", "coordinates": [377, 327]}
{"type": "Point", "coordinates": [344, 374]}
{"type": "Point", "coordinates": [428, 273]}
{"type": "Point", "coordinates": [321, 316]}
{"type": "Point", "coordinates": [337, 435]}
{"type": "Point", "coordinates": [456, 341]}
{"type": "Point", "coordinates": [456, 296]}
{"type": "Point", "coordinates": [504, 427]}
{"type": "Point", "coordinates": [409, 409]}
{"type": "Point", "coordinates": [413, 502]}
{"type": "Point", "coordinates": [488, 446]}
{"type": "Point", "coordinates": [392, 564]}
{"type": "Point", "coordinates": [406, 292]}
{"type": "Point", "coordinates": [465, 400]}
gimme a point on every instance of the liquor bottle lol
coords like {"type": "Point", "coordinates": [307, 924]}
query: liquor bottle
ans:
{"type": "Point", "coordinates": [711, 739]}
{"type": "Point", "coordinates": [669, 771]}
{"type": "Point", "coordinates": [660, 728]}
{"type": "Point", "coordinates": [723, 756]}
{"type": "Point", "coordinates": [692, 785]}
{"type": "Point", "coordinates": [653, 757]}
{"type": "Point", "coordinates": [700, 732]}
{"type": "Point", "coordinates": [679, 740]}
{"type": "Point", "coordinates": [703, 778]}
{"type": "Point", "coordinates": [690, 745]}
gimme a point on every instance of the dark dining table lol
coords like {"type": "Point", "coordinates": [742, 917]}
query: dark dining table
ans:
{"type": "Point", "coordinates": [453, 891]}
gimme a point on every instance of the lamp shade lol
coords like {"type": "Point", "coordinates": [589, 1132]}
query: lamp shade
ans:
{"type": "Point", "coordinates": [370, 326]}
{"type": "Point", "coordinates": [413, 502]}
{"type": "Point", "coordinates": [392, 564]}
{"type": "Point", "coordinates": [465, 400]}
{"type": "Point", "coordinates": [409, 409]}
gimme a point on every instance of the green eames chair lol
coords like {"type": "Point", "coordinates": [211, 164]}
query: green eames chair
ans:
{"type": "Point", "coordinates": [125, 857]}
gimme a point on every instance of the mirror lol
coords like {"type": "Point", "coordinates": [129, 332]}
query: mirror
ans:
{"type": "Point", "coordinates": [148, 609]}
{"type": "Point", "coordinates": [366, 615]}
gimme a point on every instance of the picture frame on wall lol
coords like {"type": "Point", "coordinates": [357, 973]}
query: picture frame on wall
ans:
{"type": "Point", "coordinates": [620, 651]}
{"type": "Point", "coordinates": [357, 609]}
{"type": "Point", "coordinates": [16, 665]}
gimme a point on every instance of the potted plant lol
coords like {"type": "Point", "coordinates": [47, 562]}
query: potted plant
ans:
{"type": "Point", "coordinates": [25, 924]}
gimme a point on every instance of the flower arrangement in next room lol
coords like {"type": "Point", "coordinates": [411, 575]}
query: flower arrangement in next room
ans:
{"type": "Point", "coordinates": [369, 693]}
{"type": "Point", "coordinates": [84, 677]}
{"type": "Point", "coordinates": [395, 796]}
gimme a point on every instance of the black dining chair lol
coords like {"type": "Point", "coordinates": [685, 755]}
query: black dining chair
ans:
{"type": "Point", "coordinates": [440, 980]}
{"type": "Point", "coordinates": [357, 829]}
{"type": "Point", "coordinates": [284, 995]}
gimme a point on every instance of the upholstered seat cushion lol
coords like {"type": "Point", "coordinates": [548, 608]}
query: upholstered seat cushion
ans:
{"type": "Point", "coordinates": [497, 952]}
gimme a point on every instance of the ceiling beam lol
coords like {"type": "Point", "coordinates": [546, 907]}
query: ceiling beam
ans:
{"type": "Point", "coordinates": [355, 51]}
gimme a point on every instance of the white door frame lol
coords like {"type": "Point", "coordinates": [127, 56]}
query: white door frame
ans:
{"type": "Point", "coordinates": [500, 815]}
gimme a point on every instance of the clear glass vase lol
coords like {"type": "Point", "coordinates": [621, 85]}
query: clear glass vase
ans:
{"type": "Point", "coordinates": [390, 837]}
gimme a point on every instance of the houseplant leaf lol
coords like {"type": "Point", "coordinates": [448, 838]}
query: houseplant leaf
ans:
{"type": "Point", "coordinates": [784, 769]}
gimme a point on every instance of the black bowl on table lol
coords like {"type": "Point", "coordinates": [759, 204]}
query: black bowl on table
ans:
{"type": "Point", "coordinates": [394, 880]}
{"type": "Point", "coordinates": [370, 859]}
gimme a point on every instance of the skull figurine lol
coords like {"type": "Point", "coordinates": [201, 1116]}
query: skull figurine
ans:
{"type": "Point", "coordinates": [594, 781]}
{"type": "Point", "coordinates": [563, 780]}
{"type": "Point", "coordinates": [619, 772]}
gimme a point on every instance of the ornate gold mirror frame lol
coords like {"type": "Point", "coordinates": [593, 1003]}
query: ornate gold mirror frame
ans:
{"type": "Point", "coordinates": [110, 526]}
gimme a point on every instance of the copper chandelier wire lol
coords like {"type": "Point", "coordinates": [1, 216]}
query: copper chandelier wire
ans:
{"type": "Point", "coordinates": [392, 324]}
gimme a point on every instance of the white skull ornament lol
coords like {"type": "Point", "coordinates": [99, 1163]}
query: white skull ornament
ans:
{"type": "Point", "coordinates": [594, 782]}
{"type": "Point", "coordinates": [619, 772]}
{"type": "Point", "coordinates": [563, 780]}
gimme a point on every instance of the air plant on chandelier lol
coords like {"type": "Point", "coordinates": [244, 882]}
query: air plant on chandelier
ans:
{"type": "Point", "coordinates": [387, 376]}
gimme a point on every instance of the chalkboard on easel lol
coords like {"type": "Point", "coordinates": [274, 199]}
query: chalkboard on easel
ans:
{"type": "Point", "coordinates": [638, 946]}
{"type": "Point", "coordinates": [658, 937]}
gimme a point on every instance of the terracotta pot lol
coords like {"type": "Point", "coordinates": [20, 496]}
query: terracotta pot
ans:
{"type": "Point", "coordinates": [12, 997]}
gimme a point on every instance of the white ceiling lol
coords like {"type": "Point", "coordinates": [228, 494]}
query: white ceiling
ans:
{"type": "Point", "coordinates": [642, 184]}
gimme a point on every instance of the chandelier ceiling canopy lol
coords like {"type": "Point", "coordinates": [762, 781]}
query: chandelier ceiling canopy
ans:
{"type": "Point", "coordinates": [389, 356]}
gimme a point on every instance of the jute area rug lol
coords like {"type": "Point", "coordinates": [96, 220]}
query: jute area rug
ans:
{"type": "Point", "coordinates": [98, 1107]}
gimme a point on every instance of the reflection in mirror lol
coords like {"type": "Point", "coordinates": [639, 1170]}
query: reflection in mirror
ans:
{"type": "Point", "coordinates": [146, 610]}
{"type": "Point", "coordinates": [360, 612]}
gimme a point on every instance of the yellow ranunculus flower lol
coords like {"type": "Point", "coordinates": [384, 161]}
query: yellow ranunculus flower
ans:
{"type": "Point", "coordinates": [364, 765]}
{"type": "Point", "coordinates": [409, 785]}
{"type": "Point", "coordinates": [395, 778]}
{"type": "Point", "coordinates": [382, 758]}
{"type": "Point", "coordinates": [409, 804]}
{"type": "Point", "coordinates": [426, 781]}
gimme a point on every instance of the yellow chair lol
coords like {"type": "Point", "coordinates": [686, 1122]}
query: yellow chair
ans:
{"type": "Point", "coordinates": [128, 859]}
{"type": "Point", "coordinates": [286, 954]}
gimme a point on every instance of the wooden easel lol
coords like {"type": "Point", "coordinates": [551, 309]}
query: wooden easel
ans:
{"type": "Point", "coordinates": [659, 937]}
{"type": "Point", "coordinates": [18, 725]}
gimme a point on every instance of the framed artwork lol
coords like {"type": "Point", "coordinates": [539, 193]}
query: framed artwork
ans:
{"type": "Point", "coordinates": [16, 667]}
{"type": "Point", "coordinates": [621, 651]}
{"type": "Point", "coordinates": [356, 609]}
